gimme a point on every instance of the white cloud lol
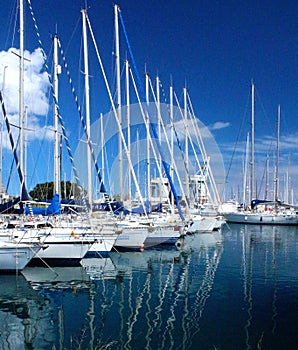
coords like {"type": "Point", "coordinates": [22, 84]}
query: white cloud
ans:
{"type": "Point", "coordinates": [36, 86]}
{"type": "Point", "coordinates": [219, 125]}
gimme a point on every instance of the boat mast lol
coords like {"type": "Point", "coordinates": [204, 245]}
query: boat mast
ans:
{"type": "Point", "coordinates": [57, 71]}
{"type": "Point", "coordinates": [245, 178]}
{"type": "Point", "coordinates": [186, 146]}
{"type": "Point", "coordinates": [287, 182]}
{"type": "Point", "coordinates": [128, 124]}
{"type": "Point", "coordinates": [87, 107]}
{"type": "Point", "coordinates": [117, 53]}
{"type": "Point", "coordinates": [277, 157]}
{"type": "Point", "coordinates": [102, 149]}
{"type": "Point", "coordinates": [161, 181]}
{"type": "Point", "coordinates": [138, 155]}
{"type": "Point", "coordinates": [2, 190]}
{"type": "Point", "coordinates": [158, 115]}
{"type": "Point", "coordinates": [252, 177]}
{"type": "Point", "coordinates": [172, 140]}
{"type": "Point", "coordinates": [21, 93]}
{"type": "Point", "coordinates": [148, 140]}
{"type": "Point", "coordinates": [267, 177]}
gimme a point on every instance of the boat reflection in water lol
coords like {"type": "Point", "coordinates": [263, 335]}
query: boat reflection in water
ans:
{"type": "Point", "coordinates": [162, 298]}
{"type": "Point", "coordinates": [24, 316]}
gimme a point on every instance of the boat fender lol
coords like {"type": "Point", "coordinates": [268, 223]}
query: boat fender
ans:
{"type": "Point", "coordinates": [74, 235]}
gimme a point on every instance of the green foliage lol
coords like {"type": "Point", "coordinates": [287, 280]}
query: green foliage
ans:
{"type": "Point", "coordinates": [46, 190]}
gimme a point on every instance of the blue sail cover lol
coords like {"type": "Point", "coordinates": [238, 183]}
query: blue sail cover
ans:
{"type": "Point", "coordinates": [52, 209]}
{"type": "Point", "coordinates": [146, 209]}
{"type": "Point", "coordinates": [142, 210]}
{"type": "Point", "coordinates": [256, 202]}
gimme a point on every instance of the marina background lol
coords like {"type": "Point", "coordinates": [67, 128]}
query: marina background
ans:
{"type": "Point", "coordinates": [214, 48]}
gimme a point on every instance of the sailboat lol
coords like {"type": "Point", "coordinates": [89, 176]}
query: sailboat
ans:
{"type": "Point", "coordinates": [264, 212]}
{"type": "Point", "coordinates": [16, 256]}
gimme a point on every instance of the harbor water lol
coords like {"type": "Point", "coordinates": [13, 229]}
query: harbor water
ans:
{"type": "Point", "coordinates": [231, 289]}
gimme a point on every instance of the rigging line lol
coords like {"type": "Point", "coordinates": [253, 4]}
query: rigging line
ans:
{"type": "Point", "coordinates": [264, 111]}
{"type": "Point", "coordinates": [40, 152]}
{"type": "Point", "coordinates": [146, 125]}
{"type": "Point", "coordinates": [168, 144]}
{"type": "Point", "coordinates": [88, 138]}
{"type": "Point", "coordinates": [73, 33]}
{"type": "Point", "coordinates": [24, 193]}
{"type": "Point", "coordinates": [270, 147]}
{"type": "Point", "coordinates": [262, 182]}
{"type": "Point", "coordinates": [180, 146]}
{"type": "Point", "coordinates": [46, 129]}
{"type": "Point", "coordinates": [237, 140]}
{"type": "Point", "coordinates": [206, 161]}
{"type": "Point", "coordinates": [165, 165]}
{"type": "Point", "coordinates": [74, 169]}
{"type": "Point", "coordinates": [199, 139]}
{"type": "Point", "coordinates": [175, 130]}
{"type": "Point", "coordinates": [12, 19]}
{"type": "Point", "coordinates": [178, 142]}
{"type": "Point", "coordinates": [11, 167]}
{"type": "Point", "coordinates": [198, 133]}
{"type": "Point", "coordinates": [115, 113]}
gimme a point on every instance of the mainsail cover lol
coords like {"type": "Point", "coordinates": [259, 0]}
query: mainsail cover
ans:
{"type": "Point", "coordinates": [52, 209]}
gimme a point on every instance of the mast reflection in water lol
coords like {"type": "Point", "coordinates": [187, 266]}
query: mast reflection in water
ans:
{"type": "Point", "coordinates": [235, 289]}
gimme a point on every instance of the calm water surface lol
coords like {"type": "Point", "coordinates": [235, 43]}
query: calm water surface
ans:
{"type": "Point", "coordinates": [235, 289]}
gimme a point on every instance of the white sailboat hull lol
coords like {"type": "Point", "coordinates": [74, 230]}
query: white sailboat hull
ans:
{"type": "Point", "coordinates": [15, 256]}
{"type": "Point", "coordinates": [63, 244]}
{"type": "Point", "coordinates": [102, 246]}
{"type": "Point", "coordinates": [64, 249]}
{"type": "Point", "coordinates": [263, 218]}
{"type": "Point", "coordinates": [131, 238]}
{"type": "Point", "coordinates": [202, 224]}
{"type": "Point", "coordinates": [163, 234]}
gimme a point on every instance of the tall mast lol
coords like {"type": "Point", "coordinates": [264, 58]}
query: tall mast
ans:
{"type": "Point", "coordinates": [148, 140]}
{"type": "Point", "coordinates": [252, 177]}
{"type": "Point", "coordinates": [21, 93]}
{"type": "Point", "coordinates": [186, 146]}
{"type": "Point", "coordinates": [161, 181]}
{"type": "Point", "coordinates": [277, 156]}
{"type": "Point", "coordinates": [158, 115]}
{"type": "Point", "coordinates": [287, 182]}
{"type": "Point", "coordinates": [267, 177]}
{"type": "Point", "coordinates": [128, 123]}
{"type": "Point", "coordinates": [87, 107]}
{"type": "Point", "coordinates": [2, 190]}
{"type": "Point", "coordinates": [102, 149]}
{"type": "Point", "coordinates": [172, 140]}
{"type": "Point", "coordinates": [117, 53]}
{"type": "Point", "coordinates": [57, 71]}
{"type": "Point", "coordinates": [245, 169]}
{"type": "Point", "coordinates": [138, 155]}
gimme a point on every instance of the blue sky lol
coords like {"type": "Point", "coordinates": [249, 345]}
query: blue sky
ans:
{"type": "Point", "coordinates": [215, 48]}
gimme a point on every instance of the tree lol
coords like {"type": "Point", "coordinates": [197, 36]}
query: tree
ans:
{"type": "Point", "coordinates": [45, 190]}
